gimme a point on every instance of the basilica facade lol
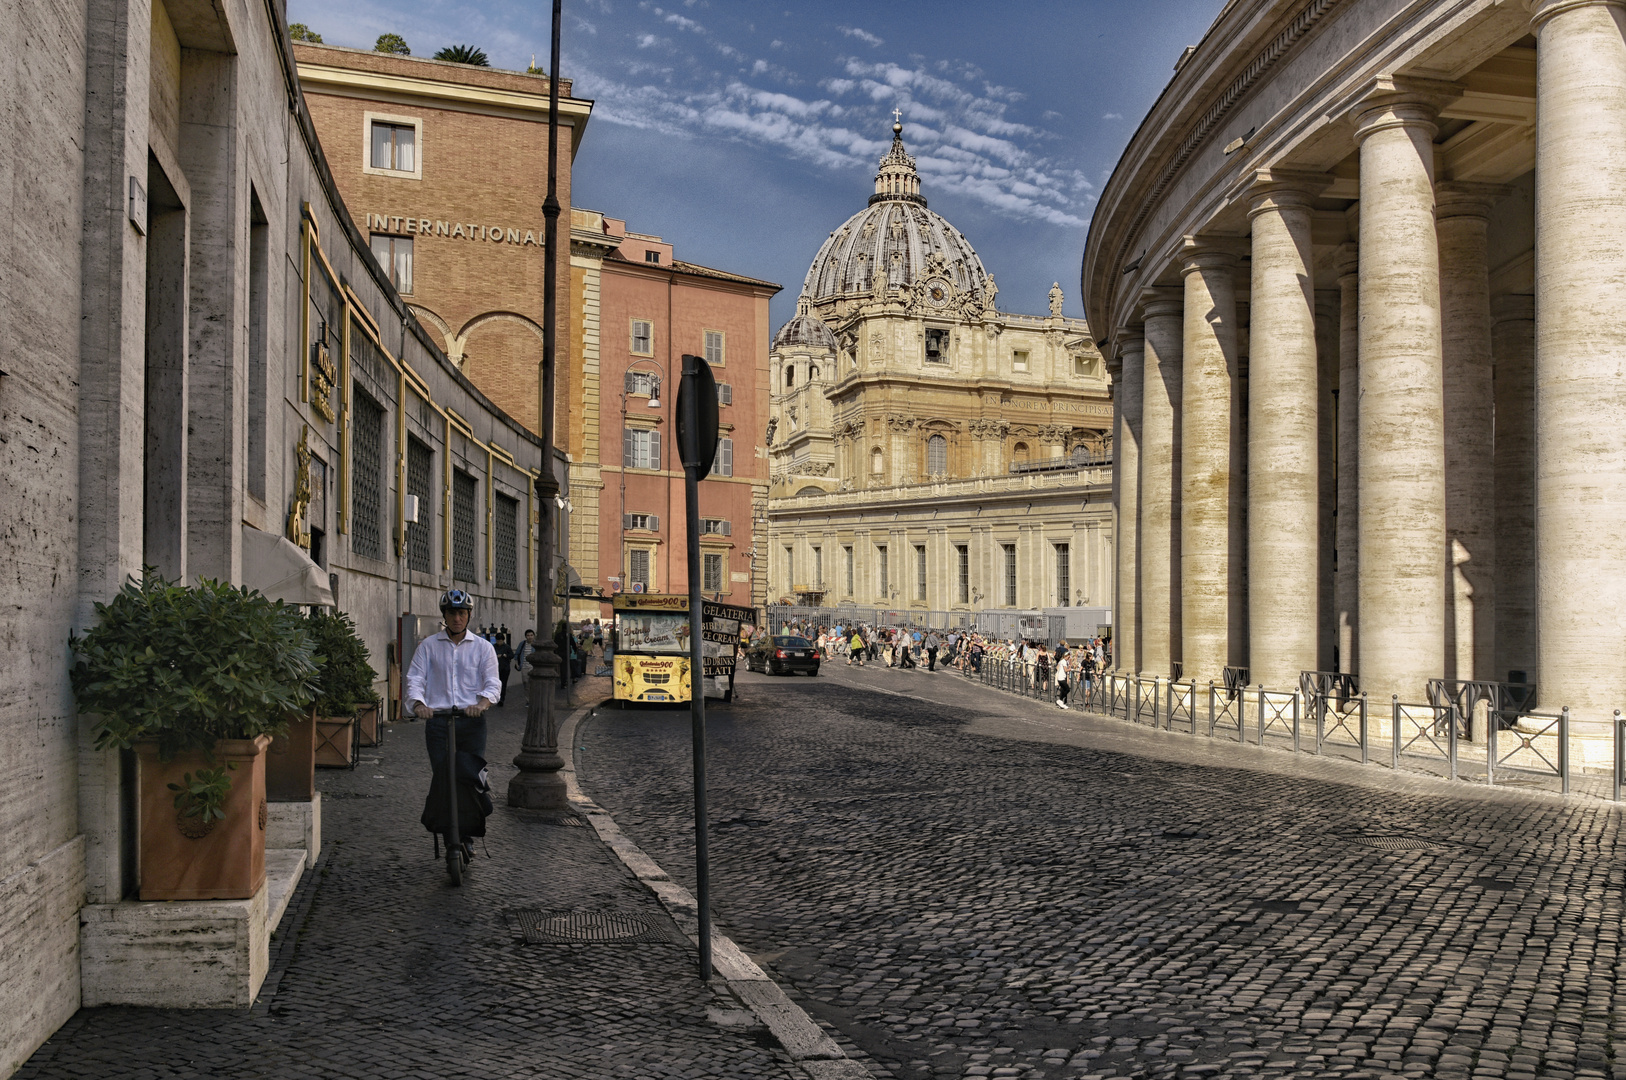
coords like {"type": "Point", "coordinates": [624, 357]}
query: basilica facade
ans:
{"type": "Point", "coordinates": [927, 450]}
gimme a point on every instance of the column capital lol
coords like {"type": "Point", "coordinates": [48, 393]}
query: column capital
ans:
{"type": "Point", "coordinates": [1460, 198]}
{"type": "Point", "coordinates": [1277, 188]}
{"type": "Point", "coordinates": [1347, 260]}
{"type": "Point", "coordinates": [1391, 101]}
{"type": "Point", "coordinates": [1201, 251]}
{"type": "Point", "coordinates": [1513, 307]}
{"type": "Point", "coordinates": [1542, 10]}
{"type": "Point", "coordinates": [1160, 302]}
{"type": "Point", "coordinates": [1129, 338]}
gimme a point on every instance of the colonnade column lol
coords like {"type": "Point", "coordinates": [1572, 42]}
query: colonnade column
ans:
{"type": "Point", "coordinates": [1127, 381]}
{"type": "Point", "coordinates": [1210, 466]}
{"type": "Point", "coordinates": [1513, 347]}
{"type": "Point", "coordinates": [1580, 341]}
{"type": "Point", "coordinates": [1461, 213]}
{"type": "Point", "coordinates": [1346, 574]}
{"type": "Point", "coordinates": [1160, 482]}
{"type": "Point", "coordinates": [1402, 439]}
{"type": "Point", "coordinates": [1283, 438]}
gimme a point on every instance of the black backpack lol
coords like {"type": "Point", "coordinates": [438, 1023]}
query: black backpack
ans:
{"type": "Point", "coordinates": [474, 803]}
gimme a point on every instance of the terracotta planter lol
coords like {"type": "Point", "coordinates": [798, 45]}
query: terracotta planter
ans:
{"type": "Point", "coordinates": [367, 725]}
{"type": "Point", "coordinates": [290, 764]}
{"type": "Point", "coordinates": [227, 862]}
{"type": "Point", "coordinates": [336, 741]}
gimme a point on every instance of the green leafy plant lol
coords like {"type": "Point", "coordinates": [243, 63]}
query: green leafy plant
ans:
{"type": "Point", "coordinates": [300, 32]}
{"type": "Point", "coordinates": [392, 43]}
{"type": "Point", "coordinates": [345, 677]}
{"type": "Point", "coordinates": [189, 665]}
{"type": "Point", "coordinates": [204, 795]}
{"type": "Point", "coordinates": [464, 54]}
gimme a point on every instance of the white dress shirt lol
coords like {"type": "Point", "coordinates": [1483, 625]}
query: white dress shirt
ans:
{"type": "Point", "coordinates": [450, 675]}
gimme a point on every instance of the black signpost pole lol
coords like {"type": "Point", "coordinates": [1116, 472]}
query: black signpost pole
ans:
{"type": "Point", "coordinates": [697, 444]}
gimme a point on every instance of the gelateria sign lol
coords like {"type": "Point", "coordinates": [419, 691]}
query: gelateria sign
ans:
{"type": "Point", "coordinates": [456, 230]}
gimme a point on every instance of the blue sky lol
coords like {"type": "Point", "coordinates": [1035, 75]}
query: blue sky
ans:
{"type": "Point", "coordinates": [745, 133]}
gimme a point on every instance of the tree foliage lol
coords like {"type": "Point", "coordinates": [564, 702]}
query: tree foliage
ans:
{"type": "Point", "coordinates": [392, 43]}
{"type": "Point", "coordinates": [300, 32]}
{"type": "Point", "coordinates": [464, 54]}
{"type": "Point", "coordinates": [188, 665]}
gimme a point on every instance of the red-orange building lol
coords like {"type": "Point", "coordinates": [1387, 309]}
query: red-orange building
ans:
{"type": "Point", "coordinates": [640, 310]}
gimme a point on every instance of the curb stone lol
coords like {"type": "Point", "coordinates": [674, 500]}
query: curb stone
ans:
{"type": "Point", "coordinates": [815, 1052]}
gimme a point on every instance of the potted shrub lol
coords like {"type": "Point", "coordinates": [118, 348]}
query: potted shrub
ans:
{"type": "Point", "coordinates": [344, 684]}
{"type": "Point", "coordinates": [196, 679]}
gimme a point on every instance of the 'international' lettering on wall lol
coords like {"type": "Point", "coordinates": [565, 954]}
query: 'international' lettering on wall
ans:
{"type": "Point", "coordinates": [455, 230]}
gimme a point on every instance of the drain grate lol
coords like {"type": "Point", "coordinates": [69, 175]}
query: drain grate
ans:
{"type": "Point", "coordinates": [590, 928]}
{"type": "Point", "coordinates": [1399, 843]}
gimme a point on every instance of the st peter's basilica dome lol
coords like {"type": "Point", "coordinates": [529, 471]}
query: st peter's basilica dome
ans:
{"type": "Point", "coordinates": [894, 232]}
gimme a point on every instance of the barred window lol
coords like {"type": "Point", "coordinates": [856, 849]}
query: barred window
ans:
{"type": "Point", "coordinates": [920, 571]}
{"type": "Point", "coordinates": [420, 467]}
{"type": "Point", "coordinates": [506, 542]}
{"type": "Point", "coordinates": [367, 486]}
{"type": "Point", "coordinates": [464, 489]}
{"type": "Point", "coordinates": [1064, 574]}
{"type": "Point", "coordinates": [936, 456]}
{"type": "Point", "coordinates": [962, 555]}
{"type": "Point", "coordinates": [885, 583]}
{"type": "Point", "coordinates": [1010, 574]}
{"type": "Point", "coordinates": [713, 574]}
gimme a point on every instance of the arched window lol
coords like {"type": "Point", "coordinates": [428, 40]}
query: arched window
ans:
{"type": "Point", "coordinates": [813, 374]}
{"type": "Point", "coordinates": [790, 376]}
{"type": "Point", "coordinates": [876, 464]}
{"type": "Point", "coordinates": [936, 456]}
{"type": "Point", "coordinates": [1020, 451]}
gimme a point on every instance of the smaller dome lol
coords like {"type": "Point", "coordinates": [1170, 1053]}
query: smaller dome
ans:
{"type": "Point", "coordinates": [806, 329]}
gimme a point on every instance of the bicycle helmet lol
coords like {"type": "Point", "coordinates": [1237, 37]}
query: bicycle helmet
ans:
{"type": "Point", "coordinates": [456, 600]}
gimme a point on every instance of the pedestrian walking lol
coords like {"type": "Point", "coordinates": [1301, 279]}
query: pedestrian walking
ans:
{"type": "Point", "coordinates": [855, 648]}
{"type": "Point", "coordinates": [933, 643]}
{"type": "Point", "coordinates": [505, 664]}
{"type": "Point", "coordinates": [1063, 672]}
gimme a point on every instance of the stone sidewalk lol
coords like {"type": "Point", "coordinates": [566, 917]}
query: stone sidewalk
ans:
{"type": "Point", "coordinates": [381, 969]}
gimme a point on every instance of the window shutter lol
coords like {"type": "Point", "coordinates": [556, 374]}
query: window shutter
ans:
{"type": "Point", "coordinates": [654, 449]}
{"type": "Point", "coordinates": [725, 453]}
{"type": "Point", "coordinates": [626, 521]}
{"type": "Point", "coordinates": [654, 523]}
{"type": "Point", "coordinates": [727, 529]}
{"type": "Point", "coordinates": [627, 451]}
{"type": "Point", "coordinates": [632, 383]}
{"type": "Point", "coordinates": [725, 394]}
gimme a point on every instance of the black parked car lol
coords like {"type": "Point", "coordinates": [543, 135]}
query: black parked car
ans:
{"type": "Point", "coordinates": [783, 656]}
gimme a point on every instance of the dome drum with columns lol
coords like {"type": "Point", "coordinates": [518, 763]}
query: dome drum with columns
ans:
{"type": "Point", "coordinates": [900, 379]}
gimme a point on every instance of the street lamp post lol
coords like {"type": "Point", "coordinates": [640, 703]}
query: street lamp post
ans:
{"type": "Point", "coordinates": [538, 785]}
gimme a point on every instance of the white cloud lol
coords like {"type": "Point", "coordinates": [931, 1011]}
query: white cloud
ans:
{"type": "Point", "coordinates": [862, 35]}
{"type": "Point", "coordinates": [759, 67]}
{"type": "Point", "coordinates": [1113, 116]}
{"type": "Point", "coordinates": [646, 40]}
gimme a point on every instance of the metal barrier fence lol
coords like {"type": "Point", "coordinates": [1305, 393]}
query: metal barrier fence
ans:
{"type": "Point", "coordinates": [1327, 716]}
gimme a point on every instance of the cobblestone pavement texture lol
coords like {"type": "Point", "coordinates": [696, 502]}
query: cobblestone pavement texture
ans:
{"type": "Point", "coordinates": [395, 974]}
{"type": "Point", "coordinates": [964, 883]}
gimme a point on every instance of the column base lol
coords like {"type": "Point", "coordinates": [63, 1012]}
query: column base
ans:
{"type": "Point", "coordinates": [539, 790]}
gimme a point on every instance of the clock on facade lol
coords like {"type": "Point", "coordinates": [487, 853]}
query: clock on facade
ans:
{"type": "Point", "coordinates": [937, 292]}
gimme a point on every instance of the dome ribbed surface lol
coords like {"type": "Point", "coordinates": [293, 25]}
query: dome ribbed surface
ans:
{"type": "Point", "coordinates": [805, 330]}
{"type": "Point", "coordinates": [899, 236]}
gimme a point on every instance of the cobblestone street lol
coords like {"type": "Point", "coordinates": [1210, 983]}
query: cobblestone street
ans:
{"type": "Point", "coordinates": [966, 883]}
{"type": "Point", "coordinates": [393, 973]}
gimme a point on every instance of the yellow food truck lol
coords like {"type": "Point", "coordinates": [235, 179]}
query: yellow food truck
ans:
{"type": "Point", "coordinates": [652, 646]}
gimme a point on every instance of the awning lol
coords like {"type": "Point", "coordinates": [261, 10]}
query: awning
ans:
{"type": "Point", "coordinates": [280, 569]}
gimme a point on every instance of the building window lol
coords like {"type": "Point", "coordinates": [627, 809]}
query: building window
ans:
{"type": "Point", "coordinates": [962, 556]}
{"type": "Point", "coordinates": [643, 337]}
{"type": "Point", "coordinates": [1009, 551]}
{"type": "Point", "coordinates": [638, 569]}
{"type": "Point", "coordinates": [712, 573]}
{"type": "Point", "coordinates": [818, 568]}
{"type": "Point", "coordinates": [367, 488]}
{"type": "Point", "coordinates": [725, 394]}
{"type": "Point", "coordinates": [847, 553]}
{"type": "Point", "coordinates": [936, 456]}
{"type": "Point", "coordinates": [714, 348]}
{"type": "Point", "coordinates": [646, 522]}
{"type": "Point", "coordinates": [790, 376]}
{"type": "Point", "coordinates": [465, 490]}
{"type": "Point", "coordinates": [646, 383]}
{"type": "Point", "coordinates": [1064, 575]}
{"type": "Point", "coordinates": [886, 584]}
{"type": "Point", "coordinates": [937, 346]}
{"type": "Point", "coordinates": [395, 147]}
{"type": "Point", "coordinates": [876, 463]}
{"type": "Point", "coordinates": [920, 572]}
{"type": "Point", "coordinates": [420, 465]}
{"type": "Point", "coordinates": [1019, 452]}
{"type": "Point", "coordinates": [1019, 360]}
{"type": "Point", "coordinates": [1081, 365]}
{"type": "Point", "coordinates": [641, 449]}
{"type": "Point", "coordinates": [394, 254]}
{"type": "Point", "coordinates": [715, 527]}
{"type": "Point", "coordinates": [652, 257]}
{"type": "Point", "coordinates": [505, 543]}
{"type": "Point", "coordinates": [723, 464]}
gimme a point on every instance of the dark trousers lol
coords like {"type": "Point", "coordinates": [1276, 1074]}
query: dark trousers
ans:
{"type": "Point", "coordinates": [931, 659]}
{"type": "Point", "coordinates": [471, 738]}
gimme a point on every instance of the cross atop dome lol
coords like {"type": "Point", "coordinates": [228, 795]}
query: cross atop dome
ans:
{"type": "Point", "coordinates": [897, 178]}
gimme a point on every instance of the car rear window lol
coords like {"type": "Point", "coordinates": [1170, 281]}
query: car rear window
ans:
{"type": "Point", "coordinates": [792, 643]}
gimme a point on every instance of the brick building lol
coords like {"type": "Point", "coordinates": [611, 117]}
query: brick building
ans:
{"type": "Point", "coordinates": [641, 310]}
{"type": "Point", "coordinates": [444, 168]}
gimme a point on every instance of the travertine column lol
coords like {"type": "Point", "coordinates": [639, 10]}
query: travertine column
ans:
{"type": "Point", "coordinates": [1210, 465]}
{"type": "Point", "coordinates": [1126, 488]}
{"type": "Point", "coordinates": [1402, 439]}
{"type": "Point", "coordinates": [1283, 451]}
{"type": "Point", "coordinates": [1346, 576]}
{"type": "Point", "coordinates": [1160, 483]}
{"type": "Point", "coordinates": [1580, 346]}
{"type": "Point", "coordinates": [1460, 215]}
{"type": "Point", "coordinates": [1327, 327]}
{"type": "Point", "coordinates": [1513, 345]}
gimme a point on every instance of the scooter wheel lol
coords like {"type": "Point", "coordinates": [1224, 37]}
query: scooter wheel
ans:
{"type": "Point", "coordinates": [454, 865]}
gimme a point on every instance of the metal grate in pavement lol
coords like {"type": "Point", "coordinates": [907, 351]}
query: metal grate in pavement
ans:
{"type": "Point", "coordinates": [1399, 843]}
{"type": "Point", "coordinates": [590, 928]}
